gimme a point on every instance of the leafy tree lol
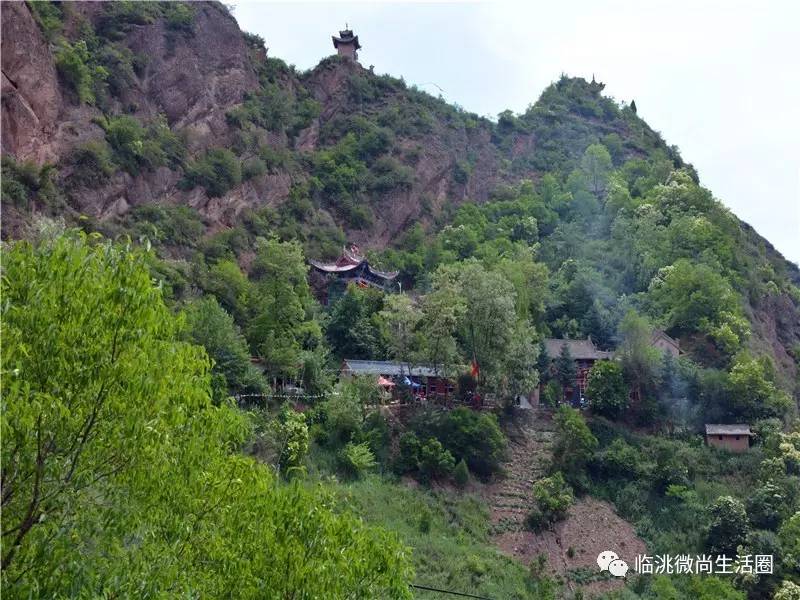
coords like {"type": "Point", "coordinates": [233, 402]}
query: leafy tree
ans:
{"type": "Point", "coordinates": [606, 389]}
{"type": "Point", "coordinates": [101, 402]}
{"type": "Point", "coordinates": [565, 369]}
{"type": "Point", "coordinates": [352, 330]}
{"type": "Point", "coordinates": [727, 526]}
{"type": "Point", "coordinates": [692, 297]}
{"type": "Point", "coordinates": [596, 166]}
{"type": "Point", "coordinates": [789, 535]}
{"type": "Point", "coordinates": [434, 461]}
{"type": "Point", "coordinates": [211, 327]}
{"type": "Point", "coordinates": [488, 326]}
{"type": "Point", "coordinates": [552, 497]}
{"type": "Point", "coordinates": [574, 444]}
{"type": "Point", "coordinates": [357, 459]}
{"type": "Point", "coordinates": [292, 437]}
{"type": "Point", "coordinates": [280, 302]}
{"type": "Point", "coordinates": [442, 310]}
{"type": "Point", "coordinates": [400, 319]}
{"type": "Point", "coordinates": [753, 395]}
{"type": "Point", "coordinates": [640, 360]}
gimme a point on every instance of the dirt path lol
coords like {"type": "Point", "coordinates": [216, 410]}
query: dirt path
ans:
{"type": "Point", "coordinates": [572, 546]}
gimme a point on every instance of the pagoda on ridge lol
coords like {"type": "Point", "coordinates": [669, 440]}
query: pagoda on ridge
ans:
{"type": "Point", "coordinates": [346, 44]}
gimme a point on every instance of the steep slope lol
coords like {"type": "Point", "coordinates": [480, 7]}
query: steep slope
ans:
{"type": "Point", "coordinates": [138, 104]}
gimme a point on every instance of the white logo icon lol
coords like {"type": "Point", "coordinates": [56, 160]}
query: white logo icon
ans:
{"type": "Point", "coordinates": [609, 561]}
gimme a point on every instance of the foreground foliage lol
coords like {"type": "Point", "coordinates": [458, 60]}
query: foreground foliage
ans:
{"type": "Point", "coordinates": [120, 477]}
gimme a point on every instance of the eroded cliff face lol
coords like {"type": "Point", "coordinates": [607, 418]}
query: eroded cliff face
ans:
{"type": "Point", "coordinates": [31, 96]}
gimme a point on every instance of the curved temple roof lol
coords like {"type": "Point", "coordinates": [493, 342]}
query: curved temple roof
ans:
{"type": "Point", "coordinates": [350, 260]}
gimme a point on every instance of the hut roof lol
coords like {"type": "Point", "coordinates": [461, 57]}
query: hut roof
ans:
{"type": "Point", "coordinates": [728, 430]}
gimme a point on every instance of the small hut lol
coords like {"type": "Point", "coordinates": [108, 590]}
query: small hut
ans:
{"type": "Point", "coordinates": [735, 438]}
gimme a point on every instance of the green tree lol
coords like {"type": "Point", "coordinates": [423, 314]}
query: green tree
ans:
{"type": "Point", "coordinates": [117, 469]}
{"type": "Point", "coordinates": [565, 370]}
{"type": "Point", "coordinates": [606, 389]}
{"type": "Point", "coordinates": [292, 437]}
{"type": "Point", "coordinates": [352, 330]}
{"type": "Point", "coordinates": [552, 497]}
{"type": "Point", "coordinates": [640, 361]}
{"type": "Point", "coordinates": [596, 166]}
{"type": "Point", "coordinates": [727, 527]}
{"type": "Point", "coordinates": [211, 327]}
{"type": "Point", "coordinates": [442, 311]}
{"type": "Point", "coordinates": [281, 302]}
{"type": "Point", "coordinates": [574, 445]}
{"type": "Point", "coordinates": [400, 319]}
{"type": "Point", "coordinates": [752, 393]}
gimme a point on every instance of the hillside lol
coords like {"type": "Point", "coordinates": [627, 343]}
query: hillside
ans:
{"type": "Point", "coordinates": [132, 103]}
{"type": "Point", "coordinates": [175, 422]}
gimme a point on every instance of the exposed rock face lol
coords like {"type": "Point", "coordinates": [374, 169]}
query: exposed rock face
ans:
{"type": "Point", "coordinates": [31, 94]}
{"type": "Point", "coordinates": [193, 79]}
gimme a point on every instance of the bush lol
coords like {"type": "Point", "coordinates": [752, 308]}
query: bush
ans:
{"type": "Point", "coordinates": [357, 459]}
{"type": "Point", "coordinates": [461, 474]}
{"type": "Point", "coordinates": [136, 147]}
{"type": "Point", "coordinates": [91, 164]}
{"type": "Point", "coordinates": [217, 172]}
{"type": "Point", "coordinates": [619, 460]}
{"type": "Point", "coordinates": [292, 434]}
{"type": "Point", "coordinates": [553, 497]}
{"type": "Point", "coordinates": [727, 527]}
{"type": "Point", "coordinates": [74, 67]}
{"type": "Point", "coordinates": [166, 223]}
{"type": "Point", "coordinates": [253, 167]}
{"type": "Point", "coordinates": [471, 436]}
{"type": "Point", "coordinates": [574, 445]}
{"type": "Point", "coordinates": [434, 461]}
{"type": "Point", "coordinates": [606, 389]}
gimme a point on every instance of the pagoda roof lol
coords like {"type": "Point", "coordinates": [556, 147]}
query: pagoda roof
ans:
{"type": "Point", "coordinates": [350, 260]}
{"type": "Point", "coordinates": [345, 37]}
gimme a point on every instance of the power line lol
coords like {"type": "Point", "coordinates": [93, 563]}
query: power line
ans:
{"type": "Point", "coordinates": [433, 589]}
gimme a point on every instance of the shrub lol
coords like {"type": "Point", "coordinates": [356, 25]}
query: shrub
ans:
{"type": "Point", "coordinates": [471, 436]}
{"type": "Point", "coordinates": [74, 67]}
{"type": "Point", "coordinates": [178, 17]}
{"type": "Point", "coordinates": [357, 459]}
{"type": "Point", "coordinates": [91, 164]}
{"type": "Point", "coordinates": [49, 17]}
{"type": "Point", "coordinates": [434, 461]}
{"type": "Point", "coordinates": [178, 225]}
{"type": "Point", "coordinates": [461, 474]}
{"type": "Point", "coordinates": [24, 182]}
{"type": "Point", "coordinates": [409, 452]}
{"type": "Point", "coordinates": [574, 445]}
{"type": "Point", "coordinates": [727, 527]}
{"type": "Point", "coordinates": [606, 389]}
{"type": "Point", "coordinates": [217, 172]}
{"type": "Point", "coordinates": [553, 497]}
{"type": "Point", "coordinates": [620, 460]}
{"type": "Point", "coordinates": [253, 167]}
{"type": "Point", "coordinates": [292, 433]}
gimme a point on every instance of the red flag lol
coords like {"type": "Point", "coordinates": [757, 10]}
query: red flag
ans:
{"type": "Point", "coordinates": [476, 369]}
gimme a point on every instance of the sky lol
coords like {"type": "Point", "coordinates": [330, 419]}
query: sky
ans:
{"type": "Point", "coordinates": [720, 80]}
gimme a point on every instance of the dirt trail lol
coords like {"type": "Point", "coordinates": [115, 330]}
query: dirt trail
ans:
{"type": "Point", "coordinates": [572, 545]}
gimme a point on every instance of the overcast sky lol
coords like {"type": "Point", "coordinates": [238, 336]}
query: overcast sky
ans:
{"type": "Point", "coordinates": [718, 79]}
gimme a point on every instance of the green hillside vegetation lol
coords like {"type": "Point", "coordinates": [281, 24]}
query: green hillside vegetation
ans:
{"type": "Point", "coordinates": [172, 420]}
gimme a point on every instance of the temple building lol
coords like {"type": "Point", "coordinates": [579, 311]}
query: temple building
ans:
{"type": "Point", "coordinates": [346, 44]}
{"type": "Point", "coordinates": [350, 267]}
{"type": "Point", "coordinates": [585, 354]}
